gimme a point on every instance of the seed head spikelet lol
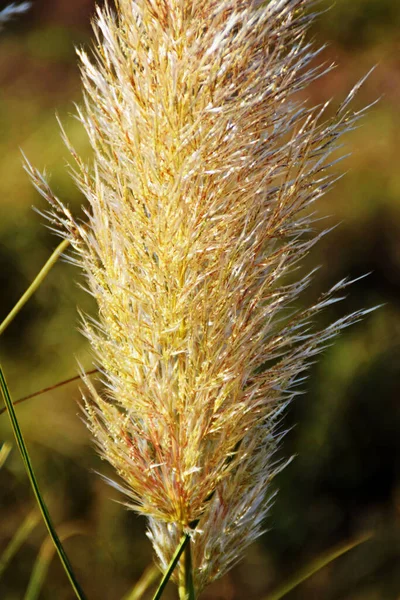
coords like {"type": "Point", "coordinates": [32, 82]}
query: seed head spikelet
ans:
{"type": "Point", "coordinates": [205, 167]}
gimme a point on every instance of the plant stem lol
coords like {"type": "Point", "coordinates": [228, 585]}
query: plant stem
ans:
{"type": "Point", "coordinates": [49, 389]}
{"type": "Point", "coordinates": [34, 285]}
{"type": "Point", "coordinates": [39, 498]}
{"type": "Point", "coordinates": [174, 561]}
{"type": "Point", "coordinates": [147, 579]}
{"type": "Point", "coordinates": [186, 586]}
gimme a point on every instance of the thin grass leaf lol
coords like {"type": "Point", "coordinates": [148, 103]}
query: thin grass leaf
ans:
{"type": "Point", "coordinates": [18, 539]}
{"type": "Point", "coordinates": [174, 561]}
{"type": "Point", "coordinates": [42, 505]}
{"type": "Point", "coordinates": [4, 452]}
{"type": "Point", "coordinates": [45, 556]}
{"type": "Point", "coordinates": [149, 577]}
{"type": "Point", "coordinates": [316, 565]}
{"type": "Point", "coordinates": [49, 389]}
{"type": "Point", "coordinates": [34, 285]}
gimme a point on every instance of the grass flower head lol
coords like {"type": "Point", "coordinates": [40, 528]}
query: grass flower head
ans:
{"type": "Point", "coordinates": [205, 166]}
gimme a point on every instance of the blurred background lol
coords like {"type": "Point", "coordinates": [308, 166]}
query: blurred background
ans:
{"type": "Point", "coordinates": [345, 430]}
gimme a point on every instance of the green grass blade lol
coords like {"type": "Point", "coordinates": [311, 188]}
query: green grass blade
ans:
{"type": "Point", "coordinates": [34, 285]}
{"type": "Point", "coordinates": [18, 539]}
{"type": "Point", "coordinates": [186, 585]}
{"type": "Point", "coordinates": [315, 566]}
{"type": "Point", "coordinates": [39, 571]}
{"type": "Point", "coordinates": [147, 579]}
{"type": "Point", "coordinates": [42, 505]}
{"type": "Point", "coordinates": [45, 556]}
{"type": "Point", "coordinates": [4, 452]}
{"type": "Point", "coordinates": [174, 561]}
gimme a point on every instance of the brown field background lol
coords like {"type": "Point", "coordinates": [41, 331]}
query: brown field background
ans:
{"type": "Point", "coordinates": [345, 430]}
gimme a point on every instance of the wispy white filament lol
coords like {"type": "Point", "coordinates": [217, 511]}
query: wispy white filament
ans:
{"type": "Point", "coordinates": [13, 9]}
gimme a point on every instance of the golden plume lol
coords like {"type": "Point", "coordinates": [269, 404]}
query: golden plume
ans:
{"type": "Point", "coordinates": [205, 167]}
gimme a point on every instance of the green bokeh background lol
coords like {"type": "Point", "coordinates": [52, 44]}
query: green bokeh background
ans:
{"type": "Point", "coordinates": [345, 430]}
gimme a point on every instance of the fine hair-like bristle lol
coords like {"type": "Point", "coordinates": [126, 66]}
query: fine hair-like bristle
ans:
{"type": "Point", "coordinates": [12, 10]}
{"type": "Point", "coordinates": [205, 166]}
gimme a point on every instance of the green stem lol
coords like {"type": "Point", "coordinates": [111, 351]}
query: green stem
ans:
{"type": "Point", "coordinates": [18, 539]}
{"type": "Point", "coordinates": [148, 578]}
{"type": "Point", "coordinates": [43, 561]}
{"type": "Point", "coordinates": [186, 586]}
{"type": "Point", "coordinates": [34, 285]}
{"type": "Point", "coordinates": [174, 561]}
{"type": "Point", "coordinates": [42, 505]}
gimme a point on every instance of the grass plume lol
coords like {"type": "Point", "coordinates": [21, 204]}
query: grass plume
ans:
{"type": "Point", "coordinates": [205, 168]}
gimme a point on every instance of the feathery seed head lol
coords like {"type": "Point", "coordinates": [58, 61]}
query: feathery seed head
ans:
{"type": "Point", "coordinates": [205, 167]}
